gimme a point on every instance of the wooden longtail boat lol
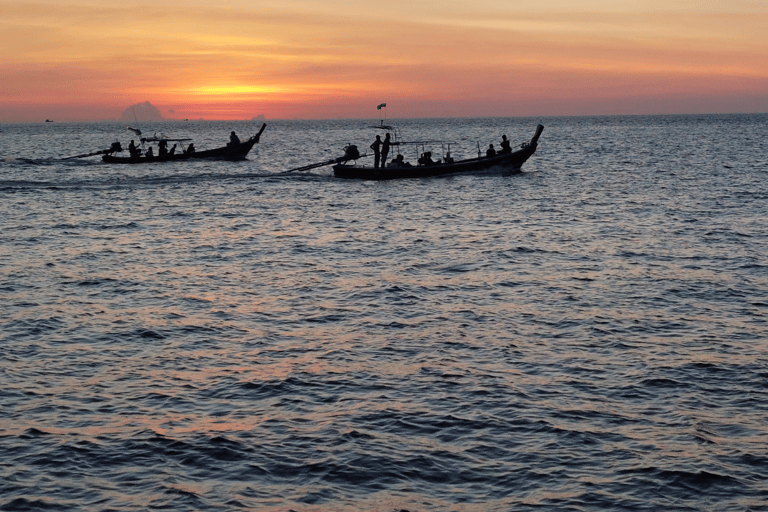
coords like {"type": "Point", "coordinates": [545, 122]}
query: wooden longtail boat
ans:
{"type": "Point", "coordinates": [511, 161]}
{"type": "Point", "coordinates": [228, 152]}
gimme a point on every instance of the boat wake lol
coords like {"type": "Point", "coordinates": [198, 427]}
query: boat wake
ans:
{"type": "Point", "coordinates": [66, 162]}
{"type": "Point", "coordinates": [123, 181]}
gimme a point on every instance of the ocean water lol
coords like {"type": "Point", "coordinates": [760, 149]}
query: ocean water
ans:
{"type": "Point", "coordinates": [589, 334]}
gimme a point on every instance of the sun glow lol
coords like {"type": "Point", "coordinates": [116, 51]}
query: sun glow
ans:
{"type": "Point", "coordinates": [90, 59]}
{"type": "Point", "coordinates": [217, 90]}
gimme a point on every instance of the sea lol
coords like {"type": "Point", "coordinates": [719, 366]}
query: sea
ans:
{"type": "Point", "coordinates": [588, 334]}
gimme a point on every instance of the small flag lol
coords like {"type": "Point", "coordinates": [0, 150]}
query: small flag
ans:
{"type": "Point", "coordinates": [381, 105]}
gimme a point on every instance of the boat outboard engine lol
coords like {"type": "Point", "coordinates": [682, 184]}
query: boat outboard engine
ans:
{"type": "Point", "coordinates": [115, 148]}
{"type": "Point", "coordinates": [351, 152]}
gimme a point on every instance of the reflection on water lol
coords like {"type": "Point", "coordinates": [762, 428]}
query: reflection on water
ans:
{"type": "Point", "coordinates": [588, 335]}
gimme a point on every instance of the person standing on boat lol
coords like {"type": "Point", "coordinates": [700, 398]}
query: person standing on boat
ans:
{"type": "Point", "coordinates": [376, 147]}
{"type": "Point", "coordinates": [234, 140]}
{"type": "Point", "coordinates": [135, 153]}
{"type": "Point", "coordinates": [505, 147]}
{"type": "Point", "coordinates": [490, 151]}
{"type": "Point", "coordinates": [385, 149]}
{"type": "Point", "coordinates": [162, 148]}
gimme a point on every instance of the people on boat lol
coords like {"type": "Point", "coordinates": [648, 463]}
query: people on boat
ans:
{"type": "Point", "coordinates": [376, 147]}
{"type": "Point", "coordinates": [172, 150]}
{"type": "Point", "coordinates": [505, 147]}
{"type": "Point", "coordinates": [162, 148]}
{"type": "Point", "coordinates": [426, 159]}
{"type": "Point", "coordinates": [234, 140]}
{"type": "Point", "coordinates": [490, 151]}
{"type": "Point", "coordinates": [385, 147]}
{"type": "Point", "coordinates": [133, 150]}
{"type": "Point", "coordinates": [150, 153]}
{"type": "Point", "coordinates": [399, 161]}
{"type": "Point", "coordinates": [190, 148]}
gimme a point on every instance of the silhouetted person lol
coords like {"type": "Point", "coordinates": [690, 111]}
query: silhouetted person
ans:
{"type": "Point", "coordinates": [426, 159]}
{"type": "Point", "coordinates": [399, 161]}
{"type": "Point", "coordinates": [132, 150]}
{"type": "Point", "coordinates": [150, 153]}
{"type": "Point", "coordinates": [173, 150]}
{"type": "Point", "coordinates": [376, 147]}
{"type": "Point", "coordinates": [233, 139]}
{"type": "Point", "coordinates": [190, 148]}
{"type": "Point", "coordinates": [505, 147]}
{"type": "Point", "coordinates": [490, 151]}
{"type": "Point", "coordinates": [385, 148]}
{"type": "Point", "coordinates": [162, 148]}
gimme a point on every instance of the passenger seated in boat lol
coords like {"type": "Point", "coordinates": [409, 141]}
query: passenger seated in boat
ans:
{"type": "Point", "coordinates": [190, 148]}
{"type": "Point", "coordinates": [234, 140]}
{"type": "Point", "coordinates": [505, 147]}
{"type": "Point", "coordinates": [398, 161]}
{"type": "Point", "coordinates": [162, 148]}
{"type": "Point", "coordinates": [426, 159]}
{"type": "Point", "coordinates": [172, 150]}
{"type": "Point", "coordinates": [150, 153]}
{"type": "Point", "coordinates": [490, 151]}
{"type": "Point", "coordinates": [133, 151]}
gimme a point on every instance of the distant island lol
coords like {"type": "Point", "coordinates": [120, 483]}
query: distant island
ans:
{"type": "Point", "coordinates": [142, 112]}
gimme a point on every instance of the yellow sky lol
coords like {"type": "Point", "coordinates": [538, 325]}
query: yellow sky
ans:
{"type": "Point", "coordinates": [88, 60]}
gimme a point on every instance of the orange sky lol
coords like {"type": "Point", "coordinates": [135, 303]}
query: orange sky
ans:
{"type": "Point", "coordinates": [76, 60]}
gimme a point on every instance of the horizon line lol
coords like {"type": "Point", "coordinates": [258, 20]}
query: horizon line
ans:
{"type": "Point", "coordinates": [265, 119]}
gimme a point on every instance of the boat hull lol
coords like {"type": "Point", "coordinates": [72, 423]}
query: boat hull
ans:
{"type": "Point", "coordinates": [509, 162]}
{"type": "Point", "coordinates": [236, 152]}
{"type": "Point", "coordinates": [111, 159]}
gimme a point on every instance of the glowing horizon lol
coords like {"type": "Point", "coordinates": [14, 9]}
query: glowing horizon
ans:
{"type": "Point", "coordinates": [90, 60]}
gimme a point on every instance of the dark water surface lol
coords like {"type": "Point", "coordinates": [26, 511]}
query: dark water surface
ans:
{"type": "Point", "coordinates": [587, 335]}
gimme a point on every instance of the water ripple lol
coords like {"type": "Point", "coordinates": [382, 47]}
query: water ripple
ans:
{"type": "Point", "coordinates": [586, 335]}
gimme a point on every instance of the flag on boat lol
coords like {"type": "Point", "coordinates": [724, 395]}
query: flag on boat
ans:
{"type": "Point", "coordinates": [381, 105]}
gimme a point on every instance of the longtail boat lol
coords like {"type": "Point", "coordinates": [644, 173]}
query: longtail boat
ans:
{"type": "Point", "coordinates": [236, 151]}
{"type": "Point", "coordinates": [510, 161]}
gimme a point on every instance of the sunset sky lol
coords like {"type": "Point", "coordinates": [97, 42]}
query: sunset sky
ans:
{"type": "Point", "coordinates": [77, 60]}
